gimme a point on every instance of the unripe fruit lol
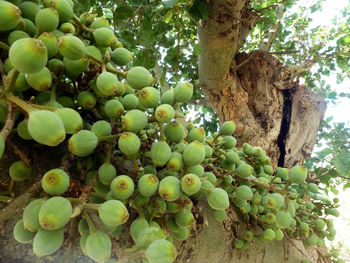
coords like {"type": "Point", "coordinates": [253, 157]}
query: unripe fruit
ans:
{"type": "Point", "coordinates": [194, 153]}
{"type": "Point", "coordinates": [129, 101]}
{"type": "Point", "coordinates": [55, 66]}
{"type": "Point", "coordinates": [149, 97]}
{"type": "Point", "coordinates": [148, 185]}
{"type": "Point", "coordinates": [94, 51]}
{"type": "Point", "coordinates": [82, 143]}
{"type": "Point", "coordinates": [122, 187]}
{"type": "Point", "coordinates": [218, 199]}
{"type": "Point", "coordinates": [71, 119]}
{"type": "Point", "coordinates": [55, 213]}
{"type": "Point", "coordinates": [229, 142]}
{"type": "Point", "coordinates": [311, 240]}
{"type": "Point", "coordinates": [269, 234]}
{"type": "Point", "coordinates": [98, 246]}
{"type": "Point", "coordinates": [71, 47]}
{"type": "Point", "coordinates": [161, 251]}
{"type": "Point", "coordinates": [244, 192]}
{"type": "Point", "coordinates": [99, 22]}
{"type": "Point", "coordinates": [21, 234]}
{"type": "Point", "coordinates": [137, 226]}
{"type": "Point", "coordinates": [167, 97]}
{"type": "Point", "coordinates": [15, 35]}
{"type": "Point", "coordinates": [319, 224]}
{"type": "Point", "coordinates": [174, 132]}
{"type": "Point", "coordinates": [184, 218]}
{"type": "Point", "coordinates": [40, 80]}
{"type": "Point", "coordinates": [55, 182]}
{"type": "Point", "coordinates": [190, 184]}
{"type": "Point", "coordinates": [282, 173]}
{"type": "Point", "coordinates": [274, 200]}
{"type": "Point", "coordinates": [67, 28]}
{"type": "Point", "coordinates": [332, 211]}
{"type": "Point", "coordinates": [283, 219]}
{"type": "Point", "coordinates": [121, 56]}
{"type": "Point", "coordinates": [312, 187]}
{"type": "Point", "coordinates": [46, 127]}
{"type": "Point", "coordinates": [31, 215]}
{"type": "Point", "coordinates": [169, 188]}
{"type": "Point", "coordinates": [244, 170]}
{"type": "Point", "coordinates": [183, 92]}
{"type": "Point", "coordinates": [106, 173]}
{"type": "Point", "coordinates": [148, 235]}
{"type": "Point", "coordinates": [297, 174]}
{"type": "Point", "coordinates": [19, 171]}
{"type": "Point", "coordinates": [76, 67]}
{"type": "Point", "coordinates": [9, 16]}
{"type": "Point", "coordinates": [28, 55]}
{"type": "Point", "coordinates": [129, 143]}
{"type": "Point", "coordinates": [47, 242]}
{"type": "Point", "coordinates": [46, 20]}
{"type": "Point", "coordinates": [53, 104]}
{"type": "Point", "coordinates": [114, 108]}
{"type": "Point", "coordinates": [139, 77]}
{"type": "Point", "coordinates": [227, 128]}
{"type": "Point", "coordinates": [134, 121]}
{"type": "Point", "coordinates": [304, 227]}
{"type": "Point", "coordinates": [164, 113]}
{"type": "Point", "coordinates": [113, 213]}
{"type": "Point", "coordinates": [107, 84]}
{"type": "Point", "coordinates": [160, 153]}
{"type": "Point", "coordinates": [175, 162]}
{"type": "Point", "coordinates": [196, 134]}
{"type": "Point", "coordinates": [63, 7]}
{"type": "Point", "coordinates": [101, 128]}
{"type": "Point", "coordinates": [220, 215]}
{"type": "Point", "coordinates": [104, 37]}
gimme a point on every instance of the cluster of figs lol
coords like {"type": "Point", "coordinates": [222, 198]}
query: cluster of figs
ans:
{"type": "Point", "coordinates": [73, 83]}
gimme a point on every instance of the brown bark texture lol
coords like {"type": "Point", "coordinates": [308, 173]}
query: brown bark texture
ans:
{"type": "Point", "coordinates": [271, 110]}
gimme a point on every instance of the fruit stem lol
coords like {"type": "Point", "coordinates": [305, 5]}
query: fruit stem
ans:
{"type": "Point", "coordinates": [5, 199]}
{"type": "Point", "coordinates": [21, 103]}
{"type": "Point", "coordinates": [109, 137]}
{"type": "Point", "coordinates": [11, 81]}
{"type": "Point", "coordinates": [109, 155]}
{"type": "Point", "coordinates": [4, 46]}
{"type": "Point", "coordinates": [162, 135]}
{"type": "Point", "coordinates": [136, 167]}
{"type": "Point", "coordinates": [91, 225]}
{"type": "Point", "coordinates": [76, 20]}
{"type": "Point", "coordinates": [131, 254]}
{"type": "Point", "coordinates": [286, 186]}
{"type": "Point", "coordinates": [53, 93]}
{"type": "Point", "coordinates": [95, 58]}
{"type": "Point", "coordinates": [117, 71]}
{"type": "Point", "coordinates": [92, 206]}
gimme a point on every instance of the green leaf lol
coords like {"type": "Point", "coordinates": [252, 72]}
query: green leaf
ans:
{"type": "Point", "coordinates": [197, 49]}
{"type": "Point", "coordinates": [168, 16]}
{"type": "Point", "coordinates": [342, 163]}
{"type": "Point", "coordinates": [123, 12]}
{"type": "Point", "coordinates": [322, 196]}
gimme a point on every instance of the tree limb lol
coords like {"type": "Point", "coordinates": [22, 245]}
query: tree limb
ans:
{"type": "Point", "coordinates": [296, 70]}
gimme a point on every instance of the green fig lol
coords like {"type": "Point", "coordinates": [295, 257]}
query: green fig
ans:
{"type": "Point", "coordinates": [121, 56]}
{"type": "Point", "coordinates": [55, 213]}
{"type": "Point", "coordinates": [47, 242]}
{"type": "Point", "coordinates": [55, 66]}
{"type": "Point", "coordinates": [194, 153]}
{"type": "Point", "coordinates": [227, 128]}
{"type": "Point", "coordinates": [101, 128]}
{"type": "Point", "coordinates": [114, 108]}
{"type": "Point", "coordinates": [244, 170]}
{"type": "Point", "coordinates": [113, 213]}
{"type": "Point", "coordinates": [122, 187]}
{"type": "Point", "coordinates": [129, 143]}
{"type": "Point", "coordinates": [49, 41]}
{"type": "Point", "coordinates": [15, 35]}
{"type": "Point", "coordinates": [137, 226]}
{"type": "Point", "coordinates": [29, 27]}
{"type": "Point", "coordinates": [46, 20]}
{"type": "Point", "coordinates": [106, 173]}
{"type": "Point", "coordinates": [71, 47]}
{"type": "Point", "coordinates": [20, 171]}
{"type": "Point", "coordinates": [98, 246]}
{"type": "Point", "coordinates": [148, 185]}
{"type": "Point", "coordinates": [29, 10]}
{"type": "Point", "coordinates": [129, 101]}
{"type": "Point", "coordinates": [86, 100]}
{"type": "Point", "coordinates": [107, 84]}
{"type": "Point", "coordinates": [55, 182]}
{"type": "Point", "coordinates": [9, 16]}
{"type": "Point", "coordinates": [99, 22]}
{"type": "Point", "coordinates": [31, 215]}
{"type": "Point", "coordinates": [21, 83]}
{"type": "Point", "coordinates": [40, 80]}
{"type": "Point", "coordinates": [175, 162]}
{"type": "Point", "coordinates": [244, 192]}
{"type": "Point", "coordinates": [21, 234]}
{"type": "Point", "coordinates": [169, 188]}
{"type": "Point", "coordinates": [183, 92]}
{"type": "Point", "coordinates": [74, 68]}
{"type": "Point", "coordinates": [268, 234]}
{"type": "Point", "coordinates": [174, 132]}
{"type": "Point", "coordinates": [94, 51]}
{"type": "Point", "coordinates": [196, 134]}
{"type": "Point", "coordinates": [184, 218]}
{"type": "Point", "coordinates": [67, 28]}
{"type": "Point", "coordinates": [164, 113]}
{"type": "Point", "coordinates": [148, 235]}
{"type": "Point", "coordinates": [190, 184]}
{"type": "Point", "coordinates": [104, 37]}
{"type": "Point", "coordinates": [161, 251]}
{"type": "Point", "coordinates": [160, 153]}
{"type": "Point", "coordinates": [139, 77]}
{"type": "Point", "coordinates": [220, 215]}
{"type": "Point", "coordinates": [66, 102]}
{"type": "Point", "coordinates": [218, 199]}
{"type": "Point", "coordinates": [149, 97]}
{"type": "Point", "coordinates": [63, 7]}
{"type": "Point", "coordinates": [229, 142]}
{"type": "Point", "coordinates": [134, 121]}
{"type": "Point", "coordinates": [283, 219]}
{"type": "Point", "coordinates": [297, 174]}
{"type": "Point", "coordinates": [167, 97]}
{"type": "Point", "coordinates": [28, 55]}
{"type": "Point", "coordinates": [71, 119]}
{"type": "Point", "coordinates": [82, 143]}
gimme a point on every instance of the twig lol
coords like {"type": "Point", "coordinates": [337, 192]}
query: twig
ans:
{"type": "Point", "coordinates": [270, 6]}
{"type": "Point", "coordinates": [10, 121]}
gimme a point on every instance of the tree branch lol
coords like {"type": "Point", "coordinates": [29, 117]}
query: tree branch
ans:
{"type": "Point", "coordinates": [296, 70]}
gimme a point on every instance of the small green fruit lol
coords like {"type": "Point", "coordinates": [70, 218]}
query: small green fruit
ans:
{"type": "Point", "coordinates": [269, 234]}
{"type": "Point", "coordinates": [55, 182]}
{"type": "Point", "coordinates": [71, 47]}
{"type": "Point", "coordinates": [244, 192]}
{"type": "Point", "coordinates": [63, 7]}
{"type": "Point", "coordinates": [229, 142]}
{"type": "Point", "coordinates": [169, 188]}
{"type": "Point", "coordinates": [104, 37]}
{"type": "Point", "coordinates": [196, 134]}
{"type": "Point", "coordinates": [164, 113]}
{"type": "Point", "coordinates": [56, 66]}
{"type": "Point", "coordinates": [47, 242]}
{"type": "Point", "coordinates": [220, 215]}
{"type": "Point", "coordinates": [129, 143]}
{"type": "Point", "coordinates": [122, 187]}
{"type": "Point", "coordinates": [282, 173]}
{"type": "Point", "coordinates": [190, 184]}
{"type": "Point", "coordinates": [76, 67]}
{"type": "Point", "coordinates": [55, 213]}
{"type": "Point", "coordinates": [28, 55]}
{"type": "Point", "coordinates": [160, 153]}
{"type": "Point", "coordinates": [101, 128]}
{"type": "Point", "coordinates": [218, 199]}
{"type": "Point", "coordinates": [15, 35]}
{"type": "Point", "coordinates": [29, 10]}
{"type": "Point", "coordinates": [297, 174]}
{"type": "Point", "coordinates": [161, 251]}
{"type": "Point", "coordinates": [82, 143]}
{"type": "Point", "coordinates": [174, 132]}
{"type": "Point", "coordinates": [139, 77]}
{"type": "Point", "coordinates": [283, 219]}
{"type": "Point", "coordinates": [134, 121]}
{"type": "Point", "coordinates": [99, 22]}
{"type": "Point", "coordinates": [107, 84]}
{"type": "Point", "coordinates": [46, 127]}
{"type": "Point", "coordinates": [67, 28]}
{"type": "Point", "coordinates": [113, 213]}
{"type": "Point", "coordinates": [98, 246]}
{"type": "Point", "coordinates": [114, 108]}
{"type": "Point", "coordinates": [183, 92]}
{"type": "Point", "coordinates": [129, 101]}
{"type": "Point", "coordinates": [149, 97]}
{"type": "Point", "coordinates": [86, 100]}
{"type": "Point", "coordinates": [31, 215]}
{"type": "Point", "coordinates": [137, 226]}
{"type": "Point", "coordinates": [167, 97]}
{"type": "Point", "coordinates": [46, 20]}
{"type": "Point", "coordinates": [227, 128]}
{"type": "Point", "coordinates": [71, 119]}
{"type": "Point", "coordinates": [9, 16]}
{"type": "Point", "coordinates": [244, 170]}
{"type": "Point", "coordinates": [175, 162]}
{"type": "Point", "coordinates": [148, 235]}
{"type": "Point", "coordinates": [20, 171]}
{"type": "Point", "coordinates": [148, 185]}
{"type": "Point", "coordinates": [121, 56]}
{"type": "Point", "coordinates": [40, 80]}
{"type": "Point", "coordinates": [184, 218]}
{"type": "Point", "coordinates": [194, 153]}
{"type": "Point", "coordinates": [21, 234]}
{"type": "Point", "coordinates": [106, 173]}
